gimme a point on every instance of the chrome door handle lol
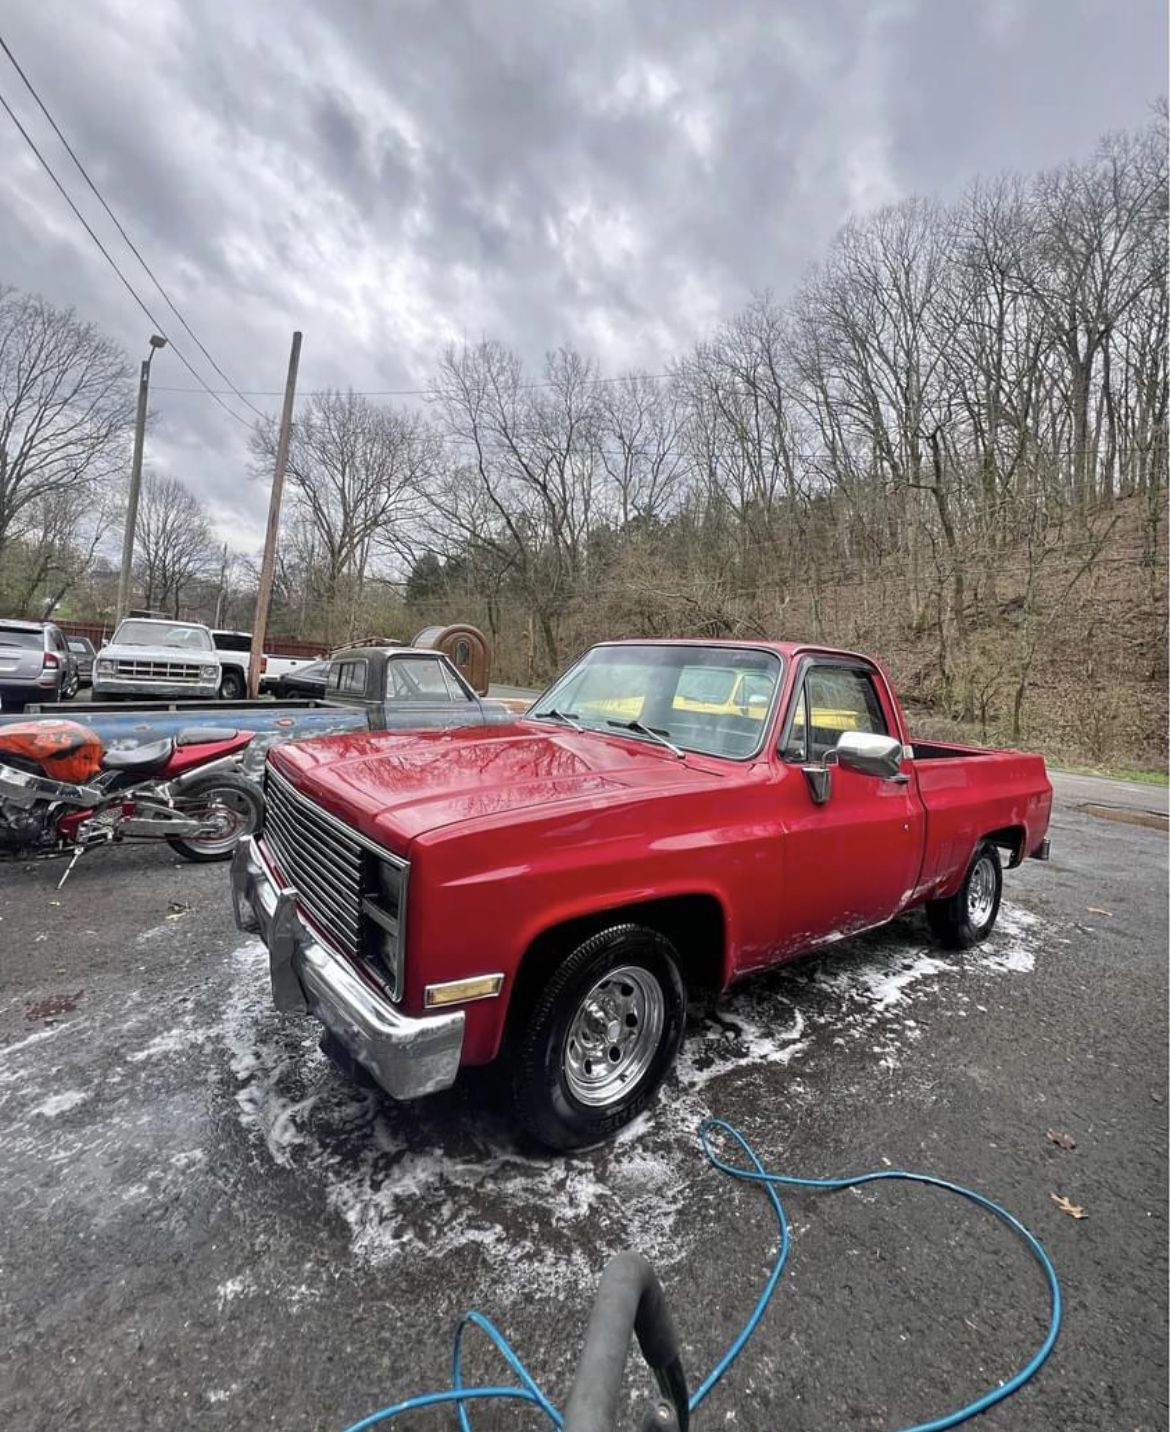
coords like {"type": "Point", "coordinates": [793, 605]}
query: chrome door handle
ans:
{"type": "Point", "coordinates": [901, 779]}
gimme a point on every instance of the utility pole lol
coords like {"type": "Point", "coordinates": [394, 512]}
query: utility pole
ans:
{"type": "Point", "coordinates": [264, 593]}
{"type": "Point", "coordinates": [156, 342]}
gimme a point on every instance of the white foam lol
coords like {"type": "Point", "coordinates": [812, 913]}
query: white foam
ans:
{"type": "Point", "coordinates": [432, 1178]}
{"type": "Point", "coordinates": [59, 1103]}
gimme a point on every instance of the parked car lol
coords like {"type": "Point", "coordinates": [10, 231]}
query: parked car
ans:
{"type": "Point", "coordinates": [307, 680]}
{"type": "Point", "coordinates": [83, 652]}
{"type": "Point", "coordinates": [549, 892]}
{"type": "Point", "coordinates": [155, 660]}
{"type": "Point", "coordinates": [368, 689]}
{"type": "Point", "coordinates": [35, 664]}
{"type": "Point", "coordinates": [235, 648]}
{"type": "Point", "coordinates": [273, 669]}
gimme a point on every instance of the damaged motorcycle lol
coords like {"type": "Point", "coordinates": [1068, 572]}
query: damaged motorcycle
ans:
{"type": "Point", "coordinates": [62, 792]}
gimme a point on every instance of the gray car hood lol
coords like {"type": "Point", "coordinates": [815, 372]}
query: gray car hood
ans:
{"type": "Point", "coordinates": [158, 653]}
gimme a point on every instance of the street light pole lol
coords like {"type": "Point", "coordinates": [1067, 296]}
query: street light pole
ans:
{"type": "Point", "coordinates": [156, 342]}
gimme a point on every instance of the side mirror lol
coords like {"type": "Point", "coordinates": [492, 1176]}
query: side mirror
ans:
{"type": "Point", "coordinates": [870, 754]}
{"type": "Point", "coordinates": [861, 751]}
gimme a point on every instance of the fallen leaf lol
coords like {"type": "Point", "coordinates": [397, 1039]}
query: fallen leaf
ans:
{"type": "Point", "coordinates": [1072, 1209]}
{"type": "Point", "coordinates": [1061, 1139]}
{"type": "Point", "coordinates": [1096, 910]}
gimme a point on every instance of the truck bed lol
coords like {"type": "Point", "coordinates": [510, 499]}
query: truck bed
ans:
{"type": "Point", "coordinates": [972, 791]}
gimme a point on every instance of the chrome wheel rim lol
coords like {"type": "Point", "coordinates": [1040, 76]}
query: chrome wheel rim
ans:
{"type": "Point", "coordinates": [614, 1035]}
{"type": "Point", "coordinates": [231, 815]}
{"type": "Point", "coordinates": [981, 891]}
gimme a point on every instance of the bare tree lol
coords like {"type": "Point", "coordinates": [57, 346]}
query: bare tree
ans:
{"type": "Point", "coordinates": [173, 542]}
{"type": "Point", "coordinates": [524, 475]}
{"type": "Point", "coordinates": [66, 407]}
{"type": "Point", "coordinates": [355, 470]}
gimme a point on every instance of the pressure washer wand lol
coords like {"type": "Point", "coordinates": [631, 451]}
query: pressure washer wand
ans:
{"type": "Point", "coordinates": [629, 1298]}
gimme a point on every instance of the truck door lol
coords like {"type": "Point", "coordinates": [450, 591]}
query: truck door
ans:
{"type": "Point", "coordinates": [853, 862]}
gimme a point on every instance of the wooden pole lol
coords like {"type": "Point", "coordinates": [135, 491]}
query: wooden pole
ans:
{"type": "Point", "coordinates": [264, 594]}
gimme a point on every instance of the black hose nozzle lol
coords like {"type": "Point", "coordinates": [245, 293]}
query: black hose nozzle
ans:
{"type": "Point", "coordinates": [629, 1298]}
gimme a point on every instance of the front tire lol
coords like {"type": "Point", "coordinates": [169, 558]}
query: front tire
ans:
{"type": "Point", "coordinates": [969, 915]}
{"type": "Point", "coordinates": [242, 805]}
{"type": "Point", "coordinates": [600, 1038]}
{"type": "Point", "coordinates": [232, 686]}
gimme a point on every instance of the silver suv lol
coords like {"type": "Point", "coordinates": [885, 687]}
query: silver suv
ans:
{"type": "Point", "coordinates": [35, 664]}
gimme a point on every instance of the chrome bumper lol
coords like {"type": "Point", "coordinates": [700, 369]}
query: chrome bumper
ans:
{"type": "Point", "coordinates": [107, 686]}
{"type": "Point", "coordinates": [408, 1057]}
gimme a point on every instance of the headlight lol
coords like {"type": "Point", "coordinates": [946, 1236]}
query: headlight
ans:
{"type": "Point", "coordinates": [209, 673]}
{"type": "Point", "coordinates": [385, 909]}
{"type": "Point", "coordinates": [105, 668]}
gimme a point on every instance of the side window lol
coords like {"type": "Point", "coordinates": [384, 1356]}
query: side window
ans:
{"type": "Point", "coordinates": [462, 655]}
{"type": "Point", "coordinates": [348, 678]}
{"type": "Point", "coordinates": [839, 699]}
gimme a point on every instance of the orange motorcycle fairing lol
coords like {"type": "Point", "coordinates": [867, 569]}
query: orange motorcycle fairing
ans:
{"type": "Point", "coordinates": [64, 750]}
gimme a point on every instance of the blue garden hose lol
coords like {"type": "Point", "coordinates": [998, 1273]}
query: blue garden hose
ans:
{"type": "Point", "coordinates": [754, 1172]}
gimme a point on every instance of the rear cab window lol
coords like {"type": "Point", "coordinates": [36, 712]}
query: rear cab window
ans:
{"type": "Point", "coordinates": [348, 678]}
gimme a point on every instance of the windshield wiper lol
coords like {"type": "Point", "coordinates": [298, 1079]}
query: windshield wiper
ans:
{"type": "Point", "coordinates": [652, 732]}
{"type": "Point", "coordinates": [568, 717]}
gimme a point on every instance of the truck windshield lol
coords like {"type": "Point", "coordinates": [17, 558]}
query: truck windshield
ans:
{"type": "Point", "coordinates": [714, 700]}
{"type": "Point", "coordinates": [177, 634]}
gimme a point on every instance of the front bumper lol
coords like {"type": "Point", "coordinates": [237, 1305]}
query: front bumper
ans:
{"type": "Point", "coordinates": [408, 1057]}
{"type": "Point", "coordinates": [154, 690]}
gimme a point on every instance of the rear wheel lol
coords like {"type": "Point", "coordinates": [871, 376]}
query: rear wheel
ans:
{"type": "Point", "coordinates": [969, 915]}
{"type": "Point", "coordinates": [233, 807]}
{"type": "Point", "coordinates": [600, 1038]}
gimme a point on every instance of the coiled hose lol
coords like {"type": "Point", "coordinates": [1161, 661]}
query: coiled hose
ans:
{"type": "Point", "coordinates": [753, 1171]}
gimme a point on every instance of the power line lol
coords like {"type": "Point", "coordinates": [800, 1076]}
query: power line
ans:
{"type": "Point", "coordinates": [117, 224]}
{"type": "Point", "coordinates": [28, 139]}
{"type": "Point", "coordinates": [397, 392]}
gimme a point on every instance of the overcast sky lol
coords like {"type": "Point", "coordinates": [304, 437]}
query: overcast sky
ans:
{"type": "Point", "coordinates": [388, 176]}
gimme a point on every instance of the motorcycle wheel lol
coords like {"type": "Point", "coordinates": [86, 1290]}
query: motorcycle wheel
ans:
{"type": "Point", "coordinates": [243, 806]}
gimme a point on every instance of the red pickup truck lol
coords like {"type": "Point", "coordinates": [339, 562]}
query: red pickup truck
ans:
{"type": "Point", "coordinates": [668, 817]}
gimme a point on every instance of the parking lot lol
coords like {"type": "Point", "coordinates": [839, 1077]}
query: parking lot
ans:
{"type": "Point", "coordinates": [204, 1225]}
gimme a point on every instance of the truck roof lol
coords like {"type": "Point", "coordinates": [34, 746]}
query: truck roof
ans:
{"type": "Point", "coordinates": [787, 649]}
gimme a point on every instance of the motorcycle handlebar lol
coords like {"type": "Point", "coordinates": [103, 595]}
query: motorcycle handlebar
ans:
{"type": "Point", "coordinates": [629, 1297]}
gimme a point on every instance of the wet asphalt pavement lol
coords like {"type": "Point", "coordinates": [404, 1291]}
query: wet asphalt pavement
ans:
{"type": "Point", "coordinates": [202, 1225]}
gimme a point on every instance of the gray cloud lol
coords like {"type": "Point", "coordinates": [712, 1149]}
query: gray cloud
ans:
{"type": "Point", "coordinates": [619, 176]}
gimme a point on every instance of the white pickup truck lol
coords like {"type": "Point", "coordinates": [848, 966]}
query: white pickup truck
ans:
{"type": "Point", "coordinates": [154, 660]}
{"type": "Point", "coordinates": [235, 649]}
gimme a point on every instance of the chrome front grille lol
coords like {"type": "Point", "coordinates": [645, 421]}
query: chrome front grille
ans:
{"type": "Point", "coordinates": [158, 671]}
{"type": "Point", "coordinates": [352, 890]}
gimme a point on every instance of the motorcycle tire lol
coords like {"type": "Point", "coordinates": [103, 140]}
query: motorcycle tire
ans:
{"type": "Point", "coordinates": [246, 800]}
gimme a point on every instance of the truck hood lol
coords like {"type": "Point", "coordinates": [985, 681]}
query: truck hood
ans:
{"type": "Point", "coordinates": [158, 653]}
{"type": "Point", "coordinates": [394, 788]}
